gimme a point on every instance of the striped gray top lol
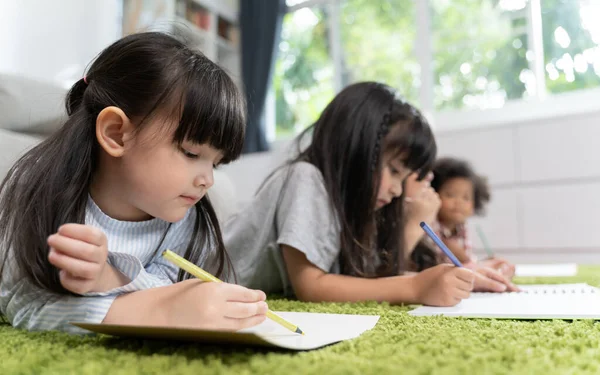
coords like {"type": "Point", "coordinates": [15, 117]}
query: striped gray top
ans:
{"type": "Point", "coordinates": [132, 250]}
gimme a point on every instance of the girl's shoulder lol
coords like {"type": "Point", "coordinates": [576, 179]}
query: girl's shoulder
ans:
{"type": "Point", "coordinates": [294, 176]}
{"type": "Point", "coordinates": [294, 179]}
{"type": "Point", "coordinates": [305, 169]}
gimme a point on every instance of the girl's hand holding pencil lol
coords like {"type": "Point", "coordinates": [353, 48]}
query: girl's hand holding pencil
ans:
{"type": "Point", "coordinates": [483, 278]}
{"type": "Point", "coordinates": [243, 311]}
{"type": "Point", "coordinates": [214, 306]}
{"type": "Point", "coordinates": [443, 285]}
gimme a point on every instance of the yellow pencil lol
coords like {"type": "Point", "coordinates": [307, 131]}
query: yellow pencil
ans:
{"type": "Point", "coordinates": [198, 272]}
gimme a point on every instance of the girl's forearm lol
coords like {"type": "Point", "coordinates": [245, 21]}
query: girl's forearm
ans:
{"type": "Point", "coordinates": [144, 307]}
{"type": "Point", "coordinates": [341, 288]}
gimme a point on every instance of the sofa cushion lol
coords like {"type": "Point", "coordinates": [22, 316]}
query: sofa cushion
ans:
{"type": "Point", "coordinates": [30, 106]}
{"type": "Point", "coordinates": [12, 146]}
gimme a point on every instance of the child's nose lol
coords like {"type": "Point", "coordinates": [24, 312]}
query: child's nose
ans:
{"type": "Point", "coordinates": [205, 179]}
{"type": "Point", "coordinates": [396, 190]}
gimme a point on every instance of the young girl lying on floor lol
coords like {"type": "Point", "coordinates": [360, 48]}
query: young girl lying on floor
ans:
{"type": "Point", "coordinates": [85, 215]}
{"type": "Point", "coordinates": [327, 226]}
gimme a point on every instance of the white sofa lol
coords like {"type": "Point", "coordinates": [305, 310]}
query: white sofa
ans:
{"type": "Point", "coordinates": [12, 145]}
{"type": "Point", "coordinates": [30, 110]}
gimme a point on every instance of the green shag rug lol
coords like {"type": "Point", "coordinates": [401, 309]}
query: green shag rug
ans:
{"type": "Point", "coordinates": [398, 344]}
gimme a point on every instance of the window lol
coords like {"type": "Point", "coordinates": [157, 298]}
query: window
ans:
{"type": "Point", "coordinates": [445, 56]}
{"type": "Point", "coordinates": [479, 53]}
{"type": "Point", "coordinates": [571, 44]}
{"type": "Point", "coordinates": [377, 39]}
{"type": "Point", "coordinates": [303, 76]}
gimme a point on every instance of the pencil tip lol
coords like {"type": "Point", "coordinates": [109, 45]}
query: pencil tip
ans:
{"type": "Point", "coordinates": [298, 330]}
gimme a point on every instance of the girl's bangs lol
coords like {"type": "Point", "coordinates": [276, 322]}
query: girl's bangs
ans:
{"type": "Point", "coordinates": [214, 112]}
{"type": "Point", "coordinates": [413, 141]}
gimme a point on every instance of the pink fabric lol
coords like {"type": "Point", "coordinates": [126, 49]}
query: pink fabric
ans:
{"type": "Point", "coordinates": [461, 234]}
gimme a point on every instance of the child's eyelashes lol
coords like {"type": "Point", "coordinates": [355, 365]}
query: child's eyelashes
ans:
{"type": "Point", "coordinates": [189, 154]}
{"type": "Point", "coordinates": [201, 154]}
{"type": "Point", "coordinates": [393, 170]}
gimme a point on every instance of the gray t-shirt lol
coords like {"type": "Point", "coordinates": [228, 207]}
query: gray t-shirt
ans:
{"type": "Point", "coordinates": [292, 208]}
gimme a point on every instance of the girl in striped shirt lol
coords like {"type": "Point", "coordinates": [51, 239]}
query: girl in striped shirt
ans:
{"type": "Point", "coordinates": [85, 215]}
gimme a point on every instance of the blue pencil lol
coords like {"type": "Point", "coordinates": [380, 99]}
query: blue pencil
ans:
{"type": "Point", "coordinates": [440, 244]}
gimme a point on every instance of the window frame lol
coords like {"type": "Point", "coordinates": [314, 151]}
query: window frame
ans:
{"type": "Point", "coordinates": [539, 107]}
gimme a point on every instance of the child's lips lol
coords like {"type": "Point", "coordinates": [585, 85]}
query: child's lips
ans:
{"type": "Point", "coordinates": [193, 199]}
{"type": "Point", "coordinates": [382, 202]}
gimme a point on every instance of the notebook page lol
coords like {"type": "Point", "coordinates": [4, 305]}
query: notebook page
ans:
{"type": "Point", "coordinates": [319, 329]}
{"type": "Point", "coordinates": [567, 301]}
{"type": "Point", "coordinates": [558, 289]}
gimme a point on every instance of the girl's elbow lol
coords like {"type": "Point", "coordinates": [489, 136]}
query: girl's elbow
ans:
{"type": "Point", "coordinates": [302, 294]}
{"type": "Point", "coordinates": [307, 294]}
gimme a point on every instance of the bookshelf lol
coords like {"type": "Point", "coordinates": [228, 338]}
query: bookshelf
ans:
{"type": "Point", "coordinates": [210, 26]}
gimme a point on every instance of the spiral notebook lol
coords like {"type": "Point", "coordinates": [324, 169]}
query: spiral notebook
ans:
{"type": "Point", "coordinates": [534, 302]}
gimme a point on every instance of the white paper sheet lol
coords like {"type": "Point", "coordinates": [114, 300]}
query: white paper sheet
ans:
{"type": "Point", "coordinates": [320, 330]}
{"type": "Point", "coordinates": [546, 270]}
{"type": "Point", "coordinates": [536, 302]}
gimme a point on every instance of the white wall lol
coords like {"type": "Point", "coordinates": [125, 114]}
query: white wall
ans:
{"type": "Point", "coordinates": [55, 40]}
{"type": "Point", "coordinates": [545, 178]}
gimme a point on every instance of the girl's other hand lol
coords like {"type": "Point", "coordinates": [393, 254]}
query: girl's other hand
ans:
{"type": "Point", "coordinates": [421, 202]}
{"type": "Point", "coordinates": [490, 280]}
{"type": "Point", "coordinates": [80, 252]}
{"type": "Point", "coordinates": [501, 265]}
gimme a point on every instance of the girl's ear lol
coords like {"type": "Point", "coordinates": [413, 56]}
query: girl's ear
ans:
{"type": "Point", "coordinates": [113, 129]}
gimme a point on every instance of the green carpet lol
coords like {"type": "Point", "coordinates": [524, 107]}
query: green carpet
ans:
{"type": "Point", "coordinates": [398, 344]}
